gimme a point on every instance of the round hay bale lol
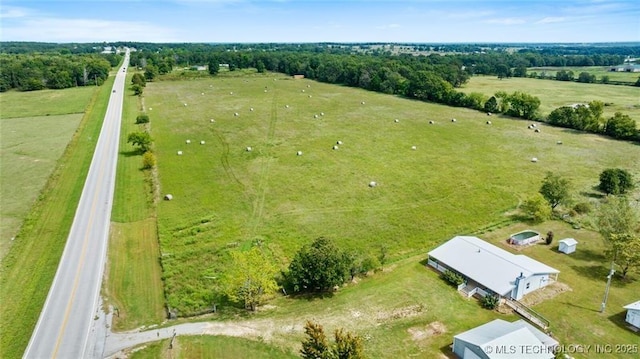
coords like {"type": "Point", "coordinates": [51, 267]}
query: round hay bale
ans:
{"type": "Point", "coordinates": [188, 141]}
{"type": "Point", "coordinates": [308, 86]}
{"type": "Point", "coordinates": [202, 93]}
{"type": "Point", "coordinates": [286, 106]}
{"type": "Point", "coordinates": [335, 147]}
{"type": "Point", "coordinates": [537, 130]}
{"type": "Point", "coordinates": [168, 197]}
{"type": "Point", "coordinates": [489, 113]}
{"type": "Point", "coordinates": [202, 142]}
{"type": "Point", "coordinates": [249, 149]}
{"type": "Point", "coordinates": [396, 120]}
{"type": "Point", "coordinates": [529, 127]}
{"type": "Point", "coordinates": [302, 90]}
{"type": "Point", "coordinates": [559, 142]}
{"type": "Point", "coordinates": [533, 125]}
{"type": "Point", "coordinates": [338, 142]}
{"type": "Point", "coordinates": [299, 153]}
{"type": "Point", "coordinates": [431, 122]}
{"type": "Point", "coordinates": [150, 109]}
{"type": "Point", "coordinates": [362, 103]}
{"type": "Point", "coordinates": [414, 148]}
{"type": "Point", "coordinates": [488, 122]}
{"type": "Point", "coordinates": [534, 159]}
{"type": "Point", "coordinates": [309, 96]}
{"type": "Point", "coordinates": [321, 113]}
{"type": "Point", "coordinates": [231, 93]}
{"type": "Point", "coordinates": [236, 114]}
{"type": "Point", "coordinates": [251, 109]}
{"type": "Point", "coordinates": [179, 153]}
{"type": "Point", "coordinates": [453, 120]}
{"type": "Point", "coordinates": [212, 120]}
{"type": "Point", "coordinates": [372, 184]}
{"type": "Point", "coordinates": [185, 105]}
{"type": "Point", "coordinates": [315, 116]}
{"type": "Point", "coordinates": [265, 91]}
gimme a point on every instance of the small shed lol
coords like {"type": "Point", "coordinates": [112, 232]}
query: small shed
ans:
{"type": "Point", "coordinates": [567, 245]}
{"type": "Point", "coordinates": [633, 314]}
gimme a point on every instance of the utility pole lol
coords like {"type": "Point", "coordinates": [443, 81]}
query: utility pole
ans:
{"type": "Point", "coordinates": [606, 291]}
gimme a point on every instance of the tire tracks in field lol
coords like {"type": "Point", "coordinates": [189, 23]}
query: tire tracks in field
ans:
{"type": "Point", "coordinates": [265, 165]}
{"type": "Point", "coordinates": [224, 158]}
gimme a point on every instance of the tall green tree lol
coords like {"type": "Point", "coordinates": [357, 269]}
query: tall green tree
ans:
{"type": "Point", "coordinates": [616, 216]}
{"type": "Point", "coordinates": [615, 181]}
{"type": "Point", "coordinates": [318, 267]}
{"type": "Point", "coordinates": [555, 189]}
{"type": "Point", "coordinates": [250, 278]}
{"type": "Point", "coordinates": [625, 252]}
{"type": "Point", "coordinates": [621, 126]}
{"type": "Point", "coordinates": [141, 139]}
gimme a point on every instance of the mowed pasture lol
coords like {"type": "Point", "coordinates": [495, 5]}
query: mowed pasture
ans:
{"type": "Point", "coordinates": [35, 128]}
{"type": "Point", "coordinates": [554, 94]}
{"type": "Point", "coordinates": [598, 71]}
{"type": "Point", "coordinates": [462, 175]}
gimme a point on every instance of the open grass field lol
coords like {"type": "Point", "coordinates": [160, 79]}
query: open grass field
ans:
{"type": "Point", "coordinates": [30, 148]}
{"type": "Point", "coordinates": [133, 282]}
{"type": "Point", "coordinates": [211, 347]}
{"type": "Point", "coordinates": [599, 71]}
{"type": "Point", "coordinates": [29, 265]}
{"type": "Point", "coordinates": [554, 94]}
{"type": "Point", "coordinates": [45, 102]}
{"type": "Point", "coordinates": [462, 176]}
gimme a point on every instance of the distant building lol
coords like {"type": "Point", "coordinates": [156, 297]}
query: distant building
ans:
{"type": "Point", "coordinates": [501, 339]}
{"type": "Point", "coordinates": [567, 245]}
{"type": "Point", "coordinates": [625, 68]}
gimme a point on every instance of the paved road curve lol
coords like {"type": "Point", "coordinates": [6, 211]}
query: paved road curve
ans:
{"type": "Point", "coordinates": [64, 327]}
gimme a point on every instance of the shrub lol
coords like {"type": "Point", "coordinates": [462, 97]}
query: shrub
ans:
{"type": "Point", "coordinates": [319, 267]}
{"type": "Point", "coordinates": [582, 208]}
{"type": "Point", "coordinates": [148, 160]}
{"type": "Point", "coordinates": [142, 118]}
{"type": "Point", "coordinates": [453, 278]}
{"type": "Point", "coordinates": [490, 301]}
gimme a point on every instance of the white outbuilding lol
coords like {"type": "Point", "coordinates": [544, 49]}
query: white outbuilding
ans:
{"type": "Point", "coordinates": [567, 245]}
{"type": "Point", "coordinates": [633, 314]}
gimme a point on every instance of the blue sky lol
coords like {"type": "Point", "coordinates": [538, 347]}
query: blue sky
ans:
{"type": "Point", "coordinates": [427, 21]}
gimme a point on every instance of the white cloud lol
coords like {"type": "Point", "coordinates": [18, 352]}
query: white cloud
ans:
{"type": "Point", "coordinates": [85, 30]}
{"type": "Point", "coordinates": [550, 19]}
{"type": "Point", "coordinates": [390, 26]}
{"type": "Point", "coordinates": [506, 21]}
{"type": "Point", "coordinates": [12, 12]}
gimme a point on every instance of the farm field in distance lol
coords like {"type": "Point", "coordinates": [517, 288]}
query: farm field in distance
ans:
{"type": "Point", "coordinates": [462, 176]}
{"type": "Point", "coordinates": [554, 94]}
{"type": "Point", "coordinates": [599, 71]}
{"type": "Point", "coordinates": [32, 138]}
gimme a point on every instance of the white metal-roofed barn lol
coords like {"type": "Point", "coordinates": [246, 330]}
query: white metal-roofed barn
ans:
{"type": "Point", "coordinates": [492, 269]}
{"type": "Point", "coordinates": [502, 339]}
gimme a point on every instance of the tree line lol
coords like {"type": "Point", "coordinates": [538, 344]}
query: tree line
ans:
{"type": "Point", "coordinates": [29, 72]}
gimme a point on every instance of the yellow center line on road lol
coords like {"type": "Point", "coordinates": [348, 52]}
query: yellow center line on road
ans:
{"type": "Point", "coordinates": [84, 248]}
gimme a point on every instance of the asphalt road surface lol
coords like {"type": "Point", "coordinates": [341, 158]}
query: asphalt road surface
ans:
{"type": "Point", "coordinates": [64, 329]}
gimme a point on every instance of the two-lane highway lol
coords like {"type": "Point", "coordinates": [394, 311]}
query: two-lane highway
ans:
{"type": "Point", "coordinates": [64, 327]}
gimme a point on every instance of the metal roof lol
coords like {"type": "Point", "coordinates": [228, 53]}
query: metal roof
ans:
{"type": "Point", "coordinates": [487, 264]}
{"type": "Point", "coordinates": [633, 306]}
{"type": "Point", "coordinates": [502, 334]}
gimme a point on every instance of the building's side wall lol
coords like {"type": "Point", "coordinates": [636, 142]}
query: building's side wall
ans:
{"type": "Point", "coordinates": [460, 345]}
{"type": "Point", "coordinates": [633, 317]}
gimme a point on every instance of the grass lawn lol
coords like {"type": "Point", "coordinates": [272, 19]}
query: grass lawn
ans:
{"type": "Point", "coordinates": [49, 102]}
{"type": "Point", "coordinates": [575, 315]}
{"type": "Point", "coordinates": [29, 265]}
{"type": "Point", "coordinates": [30, 148]}
{"type": "Point", "coordinates": [211, 347]}
{"type": "Point", "coordinates": [462, 176]}
{"type": "Point", "coordinates": [554, 94]}
{"type": "Point", "coordinates": [133, 284]}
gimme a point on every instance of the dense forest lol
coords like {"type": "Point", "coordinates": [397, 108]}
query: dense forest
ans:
{"type": "Point", "coordinates": [419, 71]}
